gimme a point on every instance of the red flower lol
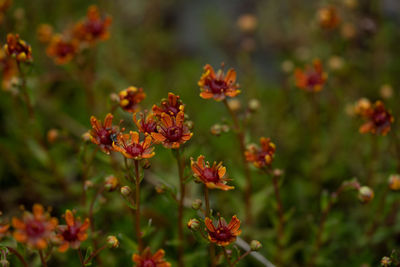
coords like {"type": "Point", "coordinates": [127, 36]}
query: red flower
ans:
{"type": "Point", "coordinates": [147, 259]}
{"type": "Point", "coordinates": [72, 234]}
{"type": "Point", "coordinates": [224, 234]}
{"type": "Point", "coordinates": [130, 98]}
{"type": "Point", "coordinates": [212, 177]}
{"type": "Point", "coordinates": [61, 49]}
{"type": "Point", "coordinates": [311, 79]}
{"type": "Point", "coordinates": [94, 28]}
{"type": "Point", "coordinates": [218, 85]}
{"type": "Point", "coordinates": [379, 119]}
{"type": "Point", "coordinates": [146, 124]}
{"type": "Point", "coordinates": [131, 148]}
{"type": "Point", "coordinates": [103, 134]}
{"type": "Point", "coordinates": [261, 157]}
{"type": "Point", "coordinates": [171, 106]}
{"type": "Point", "coordinates": [15, 47]}
{"type": "Point", "coordinates": [35, 229]}
{"type": "Point", "coordinates": [172, 132]}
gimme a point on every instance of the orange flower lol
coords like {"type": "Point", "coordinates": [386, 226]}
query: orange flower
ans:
{"type": "Point", "coordinates": [311, 79]}
{"type": "Point", "coordinates": [172, 131]}
{"type": "Point", "coordinates": [103, 134]}
{"type": "Point", "coordinates": [9, 70]}
{"type": "Point", "coordinates": [218, 85]}
{"type": "Point", "coordinates": [146, 124]}
{"type": "Point", "coordinates": [379, 119]}
{"type": "Point", "coordinates": [224, 234]}
{"type": "Point", "coordinates": [61, 49]}
{"type": "Point", "coordinates": [4, 230]}
{"type": "Point", "coordinates": [261, 157]}
{"type": "Point", "coordinates": [171, 106]}
{"type": "Point", "coordinates": [35, 229]}
{"type": "Point", "coordinates": [328, 17]}
{"type": "Point", "coordinates": [130, 98]}
{"type": "Point", "coordinates": [212, 177]}
{"type": "Point", "coordinates": [131, 148]}
{"type": "Point", "coordinates": [15, 47]}
{"type": "Point", "coordinates": [72, 234]}
{"type": "Point", "coordinates": [147, 259]}
{"type": "Point", "coordinates": [94, 28]}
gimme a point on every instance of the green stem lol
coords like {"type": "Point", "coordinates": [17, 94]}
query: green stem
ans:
{"type": "Point", "coordinates": [137, 211]}
{"type": "Point", "coordinates": [281, 220]}
{"type": "Point", "coordinates": [207, 214]}
{"type": "Point", "coordinates": [25, 92]}
{"type": "Point", "coordinates": [181, 167]}
{"type": "Point", "coordinates": [44, 264]}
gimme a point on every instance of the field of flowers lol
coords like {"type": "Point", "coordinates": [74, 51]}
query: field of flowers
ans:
{"type": "Point", "coordinates": [157, 133]}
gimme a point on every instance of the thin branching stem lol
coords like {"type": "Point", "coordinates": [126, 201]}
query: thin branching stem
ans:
{"type": "Point", "coordinates": [207, 212]}
{"type": "Point", "coordinates": [181, 167]}
{"type": "Point", "coordinates": [137, 211]}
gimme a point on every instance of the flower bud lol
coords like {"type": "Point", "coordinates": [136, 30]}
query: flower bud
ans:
{"type": "Point", "coordinates": [386, 261]}
{"type": "Point", "coordinates": [196, 204]}
{"type": "Point", "coordinates": [216, 129]}
{"type": "Point", "coordinates": [254, 105]}
{"type": "Point", "coordinates": [365, 194]}
{"type": "Point", "coordinates": [112, 241]}
{"type": "Point", "coordinates": [126, 191]}
{"type": "Point", "coordinates": [386, 91]}
{"type": "Point", "coordinates": [234, 104]}
{"type": "Point", "coordinates": [193, 224]}
{"type": "Point", "coordinates": [394, 182]}
{"type": "Point", "coordinates": [190, 124]}
{"type": "Point", "coordinates": [287, 66]}
{"type": "Point", "coordinates": [111, 183]}
{"type": "Point", "coordinates": [247, 22]}
{"type": "Point", "coordinates": [255, 245]}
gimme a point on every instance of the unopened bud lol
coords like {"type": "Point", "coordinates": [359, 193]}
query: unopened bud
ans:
{"type": "Point", "coordinates": [196, 204]}
{"type": "Point", "coordinates": [234, 104]}
{"type": "Point", "coordinates": [277, 172]}
{"type": "Point", "coordinates": [365, 194]}
{"type": "Point", "coordinates": [111, 183]}
{"type": "Point", "coordinates": [254, 105]}
{"type": "Point", "coordinates": [193, 224]}
{"type": "Point", "coordinates": [255, 245]}
{"type": "Point", "coordinates": [126, 191]}
{"type": "Point", "coordinates": [386, 261]}
{"type": "Point", "coordinates": [112, 241]}
{"type": "Point", "coordinates": [225, 128]}
{"type": "Point", "coordinates": [86, 136]}
{"type": "Point", "coordinates": [394, 182]}
{"type": "Point", "coordinates": [216, 129]}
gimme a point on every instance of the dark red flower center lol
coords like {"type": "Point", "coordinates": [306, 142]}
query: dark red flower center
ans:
{"type": "Point", "coordinates": [217, 86]}
{"type": "Point", "coordinates": [71, 233]}
{"type": "Point", "coordinates": [96, 27]}
{"type": "Point", "coordinates": [210, 175]}
{"type": "Point", "coordinates": [169, 109]}
{"type": "Point", "coordinates": [174, 133]}
{"type": "Point", "coordinates": [104, 137]}
{"type": "Point", "coordinates": [149, 127]}
{"type": "Point", "coordinates": [148, 263]}
{"type": "Point", "coordinates": [35, 228]}
{"type": "Point", "coordinates": [134, 149]}
{"type": "Point", "coordinates": [381, 117]}
{"type": "Point", "coordinates": [64, 49]}
{"type": "Point", "coordinates": [222, 234]}
{"type": "Point", "coordinates": [314, 79]}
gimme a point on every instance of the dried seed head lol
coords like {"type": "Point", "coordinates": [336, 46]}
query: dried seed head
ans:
{"type": "Point", "coordinates": [234, 104]}
{"type": "Point", "coordinates": [254, 105]}
{"type": "Point", "coordinates": [386, 91]}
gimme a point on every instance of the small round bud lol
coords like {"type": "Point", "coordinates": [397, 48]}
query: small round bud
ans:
{"type": "Point", "coordinates": [225, 128]}
{"type": "Point", "coordinates": [386, 261]}
{"type": "Point", "coordinates": [126, 191]}
{"type": "Point", "coordinates": [394, 182]}
{"type": "Point", "coordinates": [254, 105]}
{"type": "Point", "coordinates": [247, 22]}
{"type": "Point", "coordinates": [52, 135]}
{"type": "Point", "coordinates": [196, 204]}
{"type": "Point", "coordinates": [365, 194]}
{"type": "Point", "coordinates": [216, 129]}
{"type": "Point", "coordinates": [86, 136]}
{"type": "Point", "coordinates": [111, 183]}
{"type": "Point", "coordinates": [112, 241]}
{"type": "Point", "coordinates": [234, 104]}
{"type": "Point", "coordinates": [193, 224]}
{"type": "Point", "coordinates": [277, 172]}
{"type": "Point", "coordinates": [44, 33]}
{"type": "Point", "coordinates": [114, 97]}
{"type": "Point", "coordinates": [287, 66]}
{"type": "Point", "coordinates": [335, 63]}
{"type": "Point", "coordinates": [190, 124]}
{"type": "Point", "coordinates": [255, 245]}
{"type": "Point", "coordinates": [386, 91]}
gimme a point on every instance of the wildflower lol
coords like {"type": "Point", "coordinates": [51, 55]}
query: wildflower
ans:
{"type": "Point", "coordinates": [172, 131]}
{"type": "Point", "coordinates": [234, 104]}
{"type": "Point", "coordinates": [53, 135]}
{"type": "Point", "coordinates": [212, 177]}
{"type": "Point", "coordinates": [103, 134]}
{"type": "Point", "coordinates": [311, 79]}
{"type": "Point", "coordinates": [15, 47]}
{"type": "Point", "coordinates": [365, 194]}
{"type": "Point", "coordinates": [35, 229]}
{"type": "Point", "coordinates": [224, 233]}
{"type": "Point", "coordinates": [4, 230]}
{"type": "Point", "coordinates": [328, 17]}
{"type": "Point", "coordinates": [379, 119]}
{"type": "Point", "coordinates": [149, 259]}
{"type": "Point", "coordinates": [394, 182]}
{"type": "Point", "coordinates": [126, 190]}
{"type": "Point", "coordinates": [247, 22]}
{"type": "Point", "coordinates": [130, 98]}
{"type": "Point", "coordinates": [386, 91]}
{"type": "Point", "coordinates": [112, 241]}
{"type": "Point", "coordinates": [193, 224]}
{"type": "Point", "coordinates": [255, 245]}
{"type": "Point", "coordinates": [111, 183]}
{"type": "Point", "coordinates": [61, 49]}
{"type": "Point", "coordinates": [386, 261]}
{"type": "Point", "coordinates": [94, 28]}
{"type": "Point", "coordinates": [172, 106]}
{"type": "Point", "coordinates": [254, 105]}
{"type": "Point", "coordinates": [218, 85]}
{"type": "Point", "coordinates": [362, 106]}
{"type": "Point", "coordinates": [146, 124]}
{"type": "Point", "coordinates": [261, 157]}
{"type": "Point", "coordinates": [72, 234]}
{"type": "Point", "coordinates": [44, 33]}
{"type": "Point", "coordinates": [130, 146]}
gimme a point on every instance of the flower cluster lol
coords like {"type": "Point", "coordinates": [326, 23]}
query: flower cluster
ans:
{"type": "Point", "coordinates": [18, 48]}
{"type": "Point", "coordinates": [311, 79]}
{"type": "Point", "coordinates": [72, 234]}
{"type": "Point", "coordinates": [130, 98]}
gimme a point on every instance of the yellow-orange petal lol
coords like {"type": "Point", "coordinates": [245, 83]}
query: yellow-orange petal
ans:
{"type": "Point", "coordinates": [69, 218]}
{"type": "Point", "coordinates": [64, 247]}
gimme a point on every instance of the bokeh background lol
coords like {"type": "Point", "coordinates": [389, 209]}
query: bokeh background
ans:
{"type": "Point", "coordinates": [162, 47]}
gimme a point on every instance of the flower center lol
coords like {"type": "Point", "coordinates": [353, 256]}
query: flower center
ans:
{"type": "Point", "coordinates": [95, 27]}
{"type": "Point", "coordinates": [313, 79]}
{"type": "Point", "coordinates": [210, 175]}
{"type": "Point", "coordinates": [64, 49]}
{"type": "Point", "coordinates": [222, 234]}
{"type": "Point", "coordinates": [134, 149]}
{"type": "Point", "coordinates": [174, 133]}
{"type": "Point", "coordinates": [148, 263]}
{"type": "Point", "coordinates": [217, 86]}
{"type": "Point", "coordinates": [71, 233]}
{"type": "Point", "coordinates": [104, 136]}
{"type": "Point", "coordinates": [149, 127]}
{"type": "Point", "coordinates": [35, 228]}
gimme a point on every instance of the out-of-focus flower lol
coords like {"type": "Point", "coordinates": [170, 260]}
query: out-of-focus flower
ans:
{"type": "Point", "coordinates": [146, 124]}
{"type": "Point", "coordinates": [362, 106]}
{"type": "Point", "coordinates": [261, 157]}
{"type": "Point", "coordinates": [193, 224]}
{"type": "Point", "coordinates": [18, 48]}
{"type": "Point", "coordinates": [386, 91]}
{"type": "Point", "coordinates": [94, 28]}
{"type": "Point", "coordinates": [3, 230]}
{"type": "Point", "coordinates": [172, 106]}
{"type": "Point", "coordinates": [172, 131]}
{"type": "Point", "coordinates": [9, 70]}
{"type": "Point", "coordinates": [44, 33]}
{"type": "Point", "coordinates": [379, 119]}
{"type": "Point", "coordinates": [130, 146]}
{"type": "Point", "coordinates": [72, 234]}
{"type": "Point", "coordinates": [336, 63]}
{"type": "Point", "coordinates": [394, 182]}
{"type": "Point", "coordinates": [35, 229]}
{"type": "Point", "coordinates": [386, 261]}
{"type": "Point", "coordinates": [328, 17]}
{"type": "Point", "coordinates": [218, 85]}
{"type": "Point", "coordinates": [348, 30]}
{"type": "Point", "coordinates": [146, 258]}
{"type": "Point", "coordinates": [216, 129]}
{"type": "Point", "coordinates": [287, 66]}
{"type": "Point", "coordinates": [62, 49]}
{"type": "Point", "coordinates": [247, 22]}
{"type": "Point", "coordinates": [312, 78]}
{"type": "Point", "coordinates": [104, 134]}
{"type": "Point", "coordinates": [130, 98]}
{"type": "Point", "coordinates": [126, 190]}
{"type": "Point", "coordinates": [255, 245]}
{"type": "Point", "coordinates": [111, 183]}
{"type": "Point", "coordinates": [234, 104]}
{"type": "Point", "coordinates": [52, 135]}
{"type": "Point", "coordinates": [211, 176]}
{"type": "Point", "coordinates": [4, 5]}
{"type": "Point", "coordinates": [223, 234]}
{"type": "Point", "coordinates": [365, 194]}
{"type": "Point", "coordinates": [112, 241]}
{"type": "Point", "coordinates": [350, 3]}
{"type": "Point", "coordinates": [254, 104]}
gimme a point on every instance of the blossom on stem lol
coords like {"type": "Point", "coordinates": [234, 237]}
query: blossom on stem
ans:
{"type": "Point", "coordinates": [72, 234]}
{"type": "Point", "coordinates": [261, 157]}
{"type": "Point", "coordinates": [311, 79]}
{"type": "Point", "coordinates": [328, 17]}
{"type": "Point", "coordinates": [223, 234]}
{"type": "Point", "coordinates": [130, 98]}
{"type": "Point", "coordinates": [61, 49]}
{"type": "Point", "coordinates": [18, 48]}
{"type": "Point", "coordinates": [212, 177]}
{"type": "Point", "coordinates": [146, 124]}
{"type": "Point", "coordinates": [378, 119]}
{"type": "Point", "coordinates": [130, 146]}
{"type": "Point", "coordinates": [103, 134]}
{"type": "Point", "coordinates": [171, 106]}
{"type": "Point", "coordinates": [147, 259]}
